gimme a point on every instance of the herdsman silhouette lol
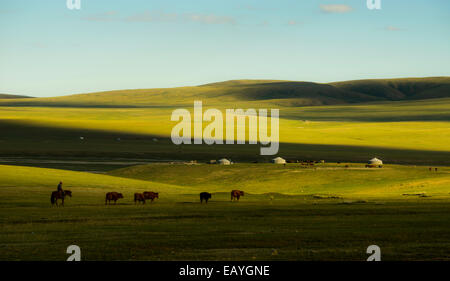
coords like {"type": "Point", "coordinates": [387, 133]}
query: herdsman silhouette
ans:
{"type": "Point", "coordinates": [59, 189]}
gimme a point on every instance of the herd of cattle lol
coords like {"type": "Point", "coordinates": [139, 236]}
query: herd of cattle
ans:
{"type": "Point", "coordinates": [138, 197]}
{"type": "Point", "coordinates": [149, 195]}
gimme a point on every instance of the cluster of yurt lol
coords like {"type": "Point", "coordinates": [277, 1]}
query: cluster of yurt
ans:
{"type": "Point", "coordinates": [372, 163]}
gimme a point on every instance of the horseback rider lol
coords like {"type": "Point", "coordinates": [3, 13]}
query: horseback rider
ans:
{"type": "Point", "coordinates": [60, 190]}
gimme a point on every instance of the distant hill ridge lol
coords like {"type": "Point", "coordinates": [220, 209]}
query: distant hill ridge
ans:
{"type": "Point", "coordinates": [9, 96]}
{"type": "Point", "coordinates": [287, 93]}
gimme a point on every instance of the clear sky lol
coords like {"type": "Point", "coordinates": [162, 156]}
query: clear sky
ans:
{"type": "Point", "coordinates": [48, 50]}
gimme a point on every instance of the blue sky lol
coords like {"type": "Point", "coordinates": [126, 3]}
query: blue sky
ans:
{"type": "Point", "coordinates": [49, 50]}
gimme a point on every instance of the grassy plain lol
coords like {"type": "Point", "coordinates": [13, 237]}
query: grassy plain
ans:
{"type": "Point", "coordinates": [415, 132]}
{"type": "Point", "coordinates": [326, 212]}
{"type": "Point", "coordinates": [331, 213]}
{"type": "Point", "coordinates": [406, 117]}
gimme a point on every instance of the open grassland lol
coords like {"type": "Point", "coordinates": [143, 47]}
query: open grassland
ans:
{"type": "Point", "coordinates": [316, 126]}
{"type": "Point", "coordinates": [399, 120]}
{"type": "Point", "coordinates": [326, 212]}
{"type": "Point", "coordinates": [302, 224]}
{"type": "Point", "coordinates": [401, 132]}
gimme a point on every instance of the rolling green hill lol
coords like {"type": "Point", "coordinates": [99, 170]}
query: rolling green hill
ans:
{"type": "Point", "coordinates": [400, 89]}
{"type": "Point", "coordinates": [395, 125]}
{"type": "Point", "coordinates": [8, 96]}
{"type": "Point", "coordinates": [43, 180]}
{"type": "Point", "coordinates": [294, 179]}
{"type": "Point", "coordinates": [289, 93]}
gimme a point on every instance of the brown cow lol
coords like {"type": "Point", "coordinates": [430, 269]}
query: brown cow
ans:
{"type": "Point", "coordinates": [151, 195]}
{"type": "Point", "coordinates": [236, 194]}
{"type": "Point", "coordinates": [139, 197]}
{"type": "Point", "coordinates": [112, 196]}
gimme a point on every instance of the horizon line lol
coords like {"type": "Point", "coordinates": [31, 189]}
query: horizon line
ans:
{"type": "Point", "coordinates": [217, 82]}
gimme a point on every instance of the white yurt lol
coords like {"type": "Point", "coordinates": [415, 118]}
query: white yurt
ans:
{"type": "Point", "coordinates": [278, 160]}
{"type": "Point", "coordinates": [375, 162]}
{"type": "Point", "coordinates": [224, 161]}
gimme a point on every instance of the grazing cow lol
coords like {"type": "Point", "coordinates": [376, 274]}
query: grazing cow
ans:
{"type": "Point", "coordinates": [436, 169]}
{"type": "Point", "coordinates": [112, 196]}
{"type": "Point", "coordinates": [151, 195]}
{"type": "Point", "coordinates": [139, 197]}
{"type": "Point", "coordinates": [236, 194]}
{"type": "Point", "coordinates": [205, 196]}
{"type": "Point", "coordinates": [429, 169]}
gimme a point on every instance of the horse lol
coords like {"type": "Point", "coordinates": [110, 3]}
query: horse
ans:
{"type": "Point", "coordinates": [57, 195]}
{"type": "Point", "coordinates": [236, 194]}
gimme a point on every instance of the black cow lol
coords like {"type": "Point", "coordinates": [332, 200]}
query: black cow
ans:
{"type": "Point", "coordinates": [205, 196]}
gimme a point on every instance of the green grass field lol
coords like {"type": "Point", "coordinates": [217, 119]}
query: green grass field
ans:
{"type": "Point", "coordinates": [397, 114]}
{"type": "Point", "coordinates": [289, 213]}
{"type": "Point", "coordinates": [325, 212]}
{"type": "Point", "coordinates": [412, 132]}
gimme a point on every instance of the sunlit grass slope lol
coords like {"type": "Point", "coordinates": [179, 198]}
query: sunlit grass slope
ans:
{"type": "Point", "coordinates": [324, 179]}
{"type": "Point", "coordinates": [16, 182]}
{"type": "Point", "coordinates": [419, 125]}
{"type": "Point", "coordinates": [394, 119]}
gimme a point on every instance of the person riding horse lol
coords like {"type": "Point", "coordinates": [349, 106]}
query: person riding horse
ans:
{"type": "Point", "coordinates": [59, 194]}
{"type": "Point", "coordinates": [59, 189]}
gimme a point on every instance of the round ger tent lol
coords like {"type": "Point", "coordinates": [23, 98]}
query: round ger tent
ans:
{"type": "Point", "coordinates": [375, 162]}
{"type": "Point", "coordinates": [224, 161]}
{"type": "Point", "coordinates": [278, 160]}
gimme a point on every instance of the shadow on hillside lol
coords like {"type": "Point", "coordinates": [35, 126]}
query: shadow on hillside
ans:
{"type": "Point", "coordinates": [25, 141]}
